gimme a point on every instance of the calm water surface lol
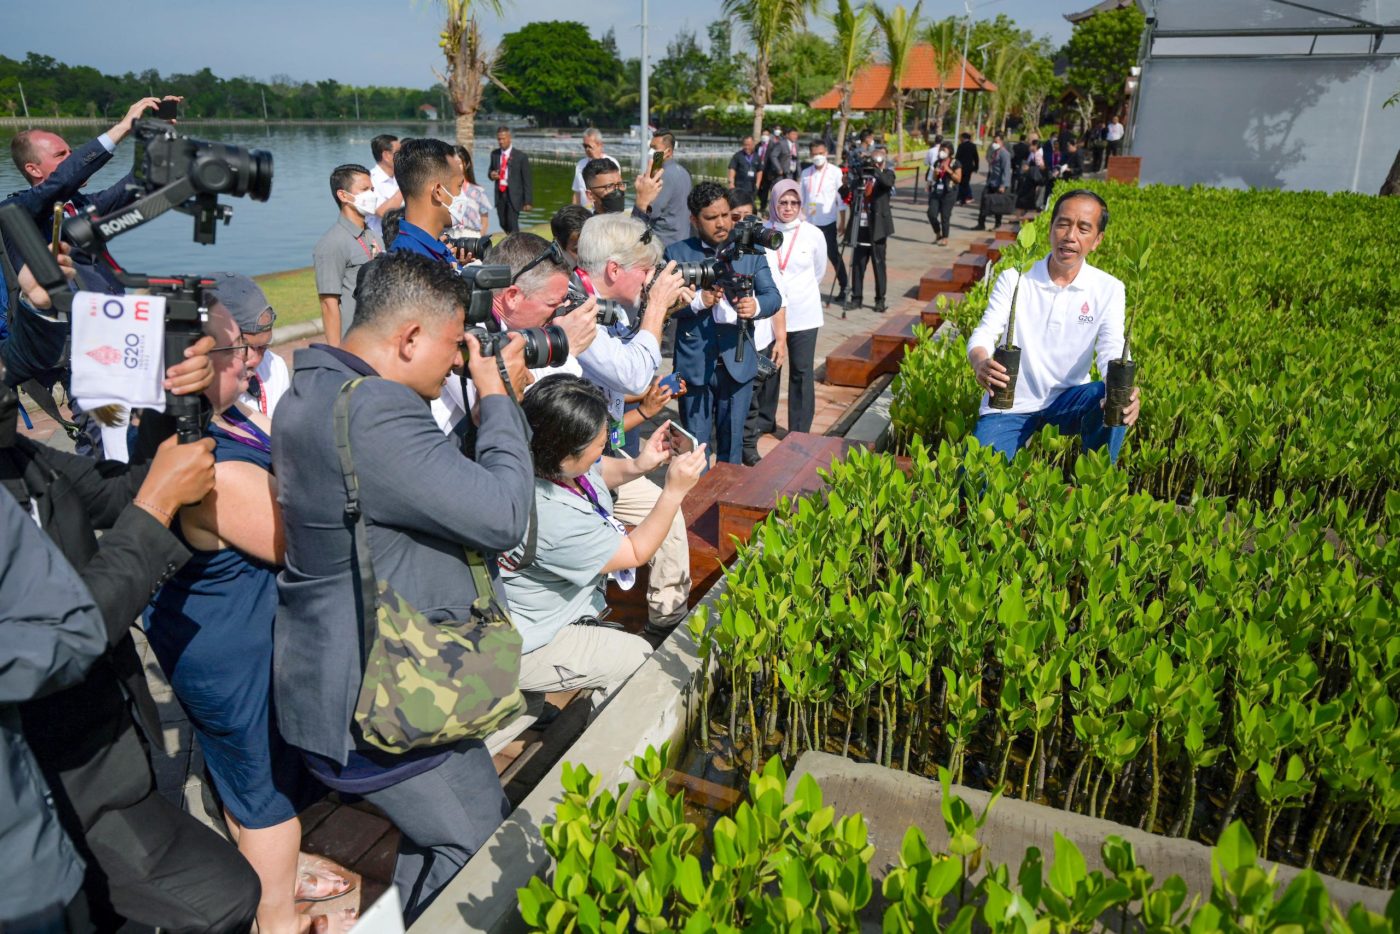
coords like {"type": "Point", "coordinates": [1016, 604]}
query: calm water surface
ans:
{"type": "Point", "coordinates": [281, 233]}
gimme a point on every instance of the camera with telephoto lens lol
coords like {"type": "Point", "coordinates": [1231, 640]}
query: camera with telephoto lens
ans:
{"type": "Point", "coordinates": [750, 236]}
{"type": "Point", "coordinates": [546, 346]}
{"type": "Point", "coordinates": [476, 246]}
{"type": "Point", "coordinates": [697, 275]}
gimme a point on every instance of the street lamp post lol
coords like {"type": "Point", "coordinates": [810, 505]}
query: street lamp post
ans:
{"type": "Point", "coordinates": [646, 82]}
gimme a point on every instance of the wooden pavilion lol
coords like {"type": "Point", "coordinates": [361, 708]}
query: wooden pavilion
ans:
{"type": "Point", "coordinates": [872, 87]}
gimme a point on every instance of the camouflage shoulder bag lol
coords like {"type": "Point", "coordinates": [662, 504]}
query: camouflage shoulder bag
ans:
{"type": "Point", "coordinates": [426, 682]}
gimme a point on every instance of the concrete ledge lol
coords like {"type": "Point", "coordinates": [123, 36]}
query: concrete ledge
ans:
{"type": "Point", "coordinates": [658, 704]}
{"type": "Point", "coordinates": [299, 331]}
{"type": "Point", "coordinates": [873, 426]}
{"type": "Point", "coordinates": [891, 801]}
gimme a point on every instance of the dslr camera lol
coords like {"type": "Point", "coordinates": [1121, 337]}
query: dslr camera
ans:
{"type": "Point", "coordinates": [749, 237]}
{"type": "Point", "coordinates": [609, 311]}
{"type": "Point", "coordinates": [476, 246]}
{"type": "Point", "coordinates": [546, 346]}
{"type": "Point", "coordinates": [172, 173]}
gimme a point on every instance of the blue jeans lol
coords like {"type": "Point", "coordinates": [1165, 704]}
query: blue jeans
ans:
{"type": "Point", "coordinates": [1076, 411]}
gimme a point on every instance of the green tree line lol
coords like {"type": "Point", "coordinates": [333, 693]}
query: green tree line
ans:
{"type": "Point", "coordinates": [54, 89]}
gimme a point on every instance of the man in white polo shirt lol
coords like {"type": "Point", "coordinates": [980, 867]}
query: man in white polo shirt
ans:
{"type": "Point", "coordinates": [593, 149]}
{"type": "Point", "coordinates": [822, 207]}
{"type": "Point", "coordinates": [1066, 312]}
{"type": "Point", "coordinates": [381, 177]}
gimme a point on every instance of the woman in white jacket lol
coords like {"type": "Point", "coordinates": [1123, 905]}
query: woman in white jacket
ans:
{"type": "Point", "coordinates": [801, 264]}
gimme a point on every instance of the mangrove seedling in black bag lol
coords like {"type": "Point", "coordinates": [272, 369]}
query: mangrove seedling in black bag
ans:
{"type": "Point", "coordinates": [1007, 353]}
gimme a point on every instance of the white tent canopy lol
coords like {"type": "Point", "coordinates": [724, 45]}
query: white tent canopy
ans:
{"type": "Point", "coordinates": [1269, 93]}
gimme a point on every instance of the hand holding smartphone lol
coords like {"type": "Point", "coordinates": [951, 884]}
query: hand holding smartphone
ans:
{"type": "Point", "coordinates": [657, 158]}
{"type": "Point", "coordinates": [167, 109]}
{"type": "Point", "coordinates": [674, 383]}
{"type": "Point", "coordinates": [682, 441]}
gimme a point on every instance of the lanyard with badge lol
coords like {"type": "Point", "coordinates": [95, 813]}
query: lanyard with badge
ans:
{"type": "Point", "coordinates": [626, 577]}
{"type": "Point", "coordinates": [792, 242]}
{"type": "Point", "coordinates": [814, 186]}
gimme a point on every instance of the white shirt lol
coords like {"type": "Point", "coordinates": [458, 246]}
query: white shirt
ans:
{"type": "Point", "coordinates": [821, 202]}
{"type": "Point", "coordinates": [621, 368]}
{"type": "Point", "coordinates": [1115, 131]}
{"type": "Point", "coordinates": [450, 407]}
{"type": "Point", "coordinates": [799, 265]}
{"type": "Point", "coordinates": [1059, 331]}
{"type": "Point", "coordinates": [763, 327]}
{"type": "Point", "coordinates": [579, 187]}
{"type": "Point", "coordinates": [275, 378]}
{"type": "Point", "coordinates": [385, 187]}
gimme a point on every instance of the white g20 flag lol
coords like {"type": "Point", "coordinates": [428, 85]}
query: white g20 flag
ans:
{"type": "Point", "coordinates": [119, 350]}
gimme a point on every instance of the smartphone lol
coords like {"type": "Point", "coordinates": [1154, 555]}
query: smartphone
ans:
{"type": "Point", "coordinates": [673, 383]}
{"type": "Point", "coordinates": [167, 110]}
{"type": "Point", "coordinates": [656, 159]}
{"type": "Point", "coordinates": [57, 228]}
{"type": "Point", "coordinates": [682, 441]}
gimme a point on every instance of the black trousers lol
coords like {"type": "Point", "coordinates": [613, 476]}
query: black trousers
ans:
{"type": "Point", "coordinates": [940, 212]}
{"type": "Point", "coordinates": [506, 213]}
{"type": "Point", "coordinates": [873, 253]}
{"type": "Point", "coordinates": [982, 208]}
{"type": "Point", "coordinates": [802, 377]}
{"type": "Point", "coordinates": [833, 254]}
{"type": "Point", "coordinates": [153, 864]}
{"type": "Point", "coordinates": [763, 409]}
{"type": "Point", "coordinates": [965, 187]}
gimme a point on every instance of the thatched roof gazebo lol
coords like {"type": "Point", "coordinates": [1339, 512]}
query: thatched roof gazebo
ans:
{"type": "Point", "coordinates": [872, 87]}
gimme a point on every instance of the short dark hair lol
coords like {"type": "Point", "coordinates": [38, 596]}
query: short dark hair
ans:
{"type": "Point", "coordinates": [419, 163]}
{"type": "Point", "coordinates": [517, 251]}
{"type": "Point", "coordinates": [396, 286]}
{"type": "Point", "coordinates": [866, 132]}
{"type": "Point", "coordinates": [23, 150]}
{"type": "Point", "coordinates": [568, 220]}
{"type": "Point", "coordinates": [565, 414]}
{"type": "Point", "coordinates": [595, 167]}
{"type": "Point", "coordinates": [967, 136]}
{"type": "Point", "coordinates": [815, 143]}
{"type": "Point", "coordinates": [1078, 193]}
{"type": "Point", "coordinates": [389, 224]}
{"type": "Point", "coordinates": [738, 197]}
{"type": "Point", "coordinates": [342, 175]}
{"type": "Point", "coordinates": [381, 144]}
{"type": "Point", "coordinates": [705, 194]}
{"type": "Point", "coordinates": [468, 170]}
{"type": "Point", "coordinates": [666, 137]}
{"type": "Point", "coordinates": [502, 129]}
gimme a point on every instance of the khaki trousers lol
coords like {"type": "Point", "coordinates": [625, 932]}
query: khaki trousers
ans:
{"type": "Point", "coordinates": [579, 656]}
{"type": "Point", "coordinates": [668, 587]}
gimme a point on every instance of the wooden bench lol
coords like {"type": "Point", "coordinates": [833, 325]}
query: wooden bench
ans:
{"type": "Point", "coordinates": [856, 363]}
{"type": "Point", "coordinates": [896, 335]}
{"type": "Point", "coordinates": [939, 279]}
{"type": "Point", "coordinates": [970, 268]}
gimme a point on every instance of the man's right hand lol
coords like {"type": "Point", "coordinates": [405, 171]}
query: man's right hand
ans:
{"type": "Point", "coordinates": [710, 297]}
{"type": "Point", "coordinates": [133, 113]}
{"type": "Point", "coordinates": [991, 375]}
{"type": "Point", "coordinates": [581, 325]}
{"type": "Point", "coordinates": [666, 288]}
{"type": "Point", "coordinates": [647, 186]}
{"type": "Point", "coordinates": [180, 475]}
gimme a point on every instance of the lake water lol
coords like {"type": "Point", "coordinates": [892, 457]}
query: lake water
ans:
{"type": "Point", "coordinates": [281, 233]}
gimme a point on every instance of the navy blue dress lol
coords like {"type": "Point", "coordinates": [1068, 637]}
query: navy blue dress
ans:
{"type": "Point", "coordinates": [210, 627]}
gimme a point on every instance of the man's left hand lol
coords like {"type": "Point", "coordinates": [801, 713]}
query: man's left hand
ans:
{"type": "Point", "coordinates": [527, 207]}
{"type": "Point", "coordinates": [746, 307]}
{"type": "Point", "coordinates": [1130, 412]}
{"type": "Point", "coordinates": [195, 373]}
{"type": "Point", "coordinates": [581, 325]}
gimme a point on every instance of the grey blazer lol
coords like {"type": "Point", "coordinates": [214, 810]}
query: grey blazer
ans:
{"type": "Point", "coordinates": [423, 500]}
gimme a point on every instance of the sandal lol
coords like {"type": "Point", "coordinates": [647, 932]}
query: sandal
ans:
{"type": "Point", "coordinates": [331, 924]}
{"type": "Point", "coordinates": [314, 876]}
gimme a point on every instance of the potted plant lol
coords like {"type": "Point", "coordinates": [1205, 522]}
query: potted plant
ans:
{"type": "Point", "coordinates": [1007, 353]}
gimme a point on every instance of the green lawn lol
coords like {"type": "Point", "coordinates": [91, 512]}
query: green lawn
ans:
{"type": "Point", "coordinates": [292, 295]}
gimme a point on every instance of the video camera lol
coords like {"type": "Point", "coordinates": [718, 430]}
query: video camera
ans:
{"type": "Point", "coordinates": [176, 173]}
{"type": "Point", "coordinates": [748, 238]}
{"type": "Point", "coordinates": [546, 346]}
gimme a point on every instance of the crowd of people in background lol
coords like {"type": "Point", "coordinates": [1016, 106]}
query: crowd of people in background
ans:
{"type": "Point", "coordinates": [419, 443]}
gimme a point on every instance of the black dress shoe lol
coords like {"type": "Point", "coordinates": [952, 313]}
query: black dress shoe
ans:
{"type": "Point", "coordinates": [779, 432]}
{"type": "Point", "coordinates": [751, 459]}
{"type": "Point", "coordinates": [853, 303]}
{"type": "Point", "coordinates": [879, 307]}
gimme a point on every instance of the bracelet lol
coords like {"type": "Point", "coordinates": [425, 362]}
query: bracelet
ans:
{"type": "Point", "coordinates": [155, 509]}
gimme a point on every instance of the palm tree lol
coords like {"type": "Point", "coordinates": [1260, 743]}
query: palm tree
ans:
{"type": "Point", "coordinates": [947, 60]}
{"type": "Point", "coordinates": [854, 35]}
{"type": "Point", "coordinates": [900, 29]}
{"type": "Point", "coordinates": [1006, 69]}
{"type": "Point", "coordinates": [469, 62]}
{"type": "Point", "coordinates": [766, 22]}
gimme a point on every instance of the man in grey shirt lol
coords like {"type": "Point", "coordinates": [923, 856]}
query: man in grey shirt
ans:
{"type": "Point", "coordinates": [670, 217]}
{"type": "Point", "coordinates": [347, 246]}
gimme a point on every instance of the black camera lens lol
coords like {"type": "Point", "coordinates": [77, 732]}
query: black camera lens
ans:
{"type": "Point", "coordinates": [768, 239]}
{"type": "Point", "coordinates": [218, 168]}
{"type": "Point", "coordinates": [701, 275]}
{"type": "Point", "coordinates": [546, 346]}
{"type": "Point", "coordinates": [476, 246]}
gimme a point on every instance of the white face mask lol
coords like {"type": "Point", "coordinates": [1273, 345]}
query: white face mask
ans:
{"type": "Point", "coordinates": [879, 160]}
{"type": "Point", "coordinates": [947, 154]}
{"type": "Point", "coordinates": [766, 138]}
{"type": "Point", "coordinates": [458, 209]}
{"type": "Point", "coordinates": [819, 160]}
{"type": "Point", "coordinates": [996, 146]}
{"type": "Point", "coordinates": [366, 202]}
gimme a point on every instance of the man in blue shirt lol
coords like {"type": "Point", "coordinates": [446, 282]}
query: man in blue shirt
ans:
{"type": "Point", "coordinates": [715, 353]}
{"type": "Point", "coordinates": [427, 177]}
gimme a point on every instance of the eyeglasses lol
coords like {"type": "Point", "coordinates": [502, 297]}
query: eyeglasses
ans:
{"type": "Point", "coordinates": [552, 252]}
{"type": "Point", "coordinates": [609, 189]}
{"type": "Point", "coordinates": [240, 349]}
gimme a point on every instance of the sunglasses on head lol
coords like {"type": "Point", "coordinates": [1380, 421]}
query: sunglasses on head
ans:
{"type": "Point", "coordinates": [554, 251]}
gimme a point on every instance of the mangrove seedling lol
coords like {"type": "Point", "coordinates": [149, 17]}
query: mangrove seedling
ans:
{"type": "Point", "coordinates": [1122, 373]}
{"type": "Point", "coordinates": [1007, 353]}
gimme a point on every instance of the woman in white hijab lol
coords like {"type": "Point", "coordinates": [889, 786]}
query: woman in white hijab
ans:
{"type": "Point", "coordinates": [801, 264]}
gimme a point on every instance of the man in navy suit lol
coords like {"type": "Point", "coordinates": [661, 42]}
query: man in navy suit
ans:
{"type": "Point", "coordinates": [719, 378]}
{"type": "Point", "coordinates": [515, 182]}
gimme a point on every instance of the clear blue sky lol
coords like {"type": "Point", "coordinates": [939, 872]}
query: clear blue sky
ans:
{"type": "Point", "coordinates": [391, 42]}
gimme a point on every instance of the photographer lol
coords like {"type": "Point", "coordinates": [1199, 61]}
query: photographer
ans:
{"type": "Point", "coordinates": [558, 595]}
{"type": "Point", "coordinates": [1066, 313]}
{"type": "Point", "coordinates": [874, 224]}
{"type": "Point", "coordinates": [714, 341]}
{"type": "Point", "coordinates": [53, 633]}
{"type": "Point", "coordinates": [770, 340]}
{"type": "Point", "coordinates": [148, 861]}
{"type": "Point", "coordinates": [431, 181]}
{"type": "Point", "coordinates": [430, 512]}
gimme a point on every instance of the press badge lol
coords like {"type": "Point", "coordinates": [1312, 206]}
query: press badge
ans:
{"type": "Point", "coordinates": [626, 577]}
{"type": "Point", "coordinates": [617, 435]}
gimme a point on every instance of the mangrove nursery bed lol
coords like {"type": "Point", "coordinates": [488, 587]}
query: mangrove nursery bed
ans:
{"type": "Point", "coordinates": [1085, 646]}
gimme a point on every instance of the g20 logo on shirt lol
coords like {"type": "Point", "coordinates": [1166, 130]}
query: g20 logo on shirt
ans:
{"type": "Point", "coordinates": [1086, 314]}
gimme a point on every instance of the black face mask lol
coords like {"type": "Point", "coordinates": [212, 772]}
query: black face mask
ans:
{"type": "Point", "coordinates": [613, 202]}
{"type": "Point", "coordinates": [9, 414]}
